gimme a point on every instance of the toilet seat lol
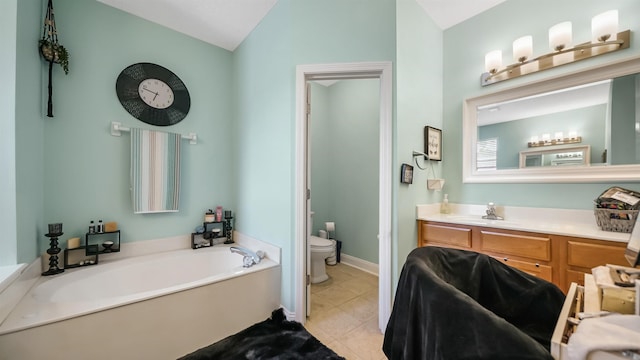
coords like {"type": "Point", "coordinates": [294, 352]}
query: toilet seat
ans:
{"type": "Point", "coordinates": [318, 242]}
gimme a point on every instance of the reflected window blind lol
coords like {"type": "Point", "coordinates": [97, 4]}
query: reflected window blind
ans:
{"type": "Point", "coordinates": [487, 154]}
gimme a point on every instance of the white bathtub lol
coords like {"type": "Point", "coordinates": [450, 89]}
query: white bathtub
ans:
{"type": "Point", "coordinates": [158, 306]}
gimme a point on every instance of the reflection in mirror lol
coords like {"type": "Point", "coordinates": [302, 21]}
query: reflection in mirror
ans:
{"type": "Point", "coordinates": [561, 129]}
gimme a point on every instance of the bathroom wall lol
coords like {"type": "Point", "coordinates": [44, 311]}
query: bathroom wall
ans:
{"type": "Point", "coordinates": [86, 170]}
{"type": "Point", "coordinates": [464, 48]}
{"type": "Point", "coordinates": [419, 103]}
{"type": "Point", "coordinates": [294, 32]}
{"type": "Point", "coordinates": [344, 140]}
{"type": "Point", "coordinates": [21, 138]}
{"type": "Point", "coordinates": [8, 30]}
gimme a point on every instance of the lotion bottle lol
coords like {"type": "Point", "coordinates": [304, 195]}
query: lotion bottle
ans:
{"type": "Point", "coordinates": [444, 206]}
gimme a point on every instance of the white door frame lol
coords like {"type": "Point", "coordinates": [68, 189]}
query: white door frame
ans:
{"type": "Point", "coordinates": [365, 70]}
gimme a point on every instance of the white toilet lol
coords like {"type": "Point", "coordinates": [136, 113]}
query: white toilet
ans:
{"type": "Point", "coordinates": [321, 249]}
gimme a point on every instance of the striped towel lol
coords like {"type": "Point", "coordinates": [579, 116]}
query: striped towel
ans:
{"type": "Point", "coordinates": [155, 171]}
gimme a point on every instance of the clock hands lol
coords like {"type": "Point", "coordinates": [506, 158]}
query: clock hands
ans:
{"type": "Point", "coordinates": [153, 92]}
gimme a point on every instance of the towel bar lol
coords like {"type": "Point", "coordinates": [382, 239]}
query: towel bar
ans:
{"type": "Point", "coordinates": [117, 128]}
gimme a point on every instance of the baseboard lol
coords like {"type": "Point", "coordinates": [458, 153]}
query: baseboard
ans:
{"type": "Point", "coordinates": [363, 265]}
{"type": "Point", "coordinates": [291, 316]}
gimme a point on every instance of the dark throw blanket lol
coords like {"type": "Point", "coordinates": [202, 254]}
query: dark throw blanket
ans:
{"type": "Point", "coordinates": [274, 338]}
{"type": "Point", "coordinates": [456, 304]}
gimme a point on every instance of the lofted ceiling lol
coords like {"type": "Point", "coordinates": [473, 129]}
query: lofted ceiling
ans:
{"type": "Point", "coordinates": [226, 23]}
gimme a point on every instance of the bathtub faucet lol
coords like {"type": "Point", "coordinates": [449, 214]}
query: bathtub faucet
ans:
{"type": "Point", "coordinates": [250, 258]}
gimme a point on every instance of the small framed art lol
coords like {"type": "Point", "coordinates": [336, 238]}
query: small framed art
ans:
{"type": "Point", "coordinates": [406, 174]}
{"type": "Point", "coordinates": [433, 143]}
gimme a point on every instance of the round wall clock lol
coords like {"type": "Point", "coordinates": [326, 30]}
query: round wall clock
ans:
{"type": "Point", "coordinates": [153, 94]}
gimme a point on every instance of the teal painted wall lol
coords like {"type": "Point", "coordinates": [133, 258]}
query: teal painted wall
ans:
{"type": "Point", "coordinates": [464, 48]}
{"type": "Point", "coordinates": [87, 169]}
{"type": "Point", "coordinates": [8, 38]}
{"type": "Point", "coordinates": [294, 32]}
{"type": "Point", "coordinates": [30, 124]}
{"type": "Point", "coordinates": [264, 96]}
{"type": "Point", "coordinates": [344, 184]}
{"type": "Point", "coordinates": [343, 30]}
{"type": "Point", "coordinates": [419, 103]}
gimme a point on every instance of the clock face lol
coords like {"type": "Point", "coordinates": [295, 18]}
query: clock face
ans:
{"type": "Point", "coordinates": [153, 94]}
{"type": "Point", "coordinates": [156, 93]}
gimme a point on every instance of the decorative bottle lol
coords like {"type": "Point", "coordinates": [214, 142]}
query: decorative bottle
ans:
{"type": "Point", "coordinates": [444, 206]}
{"type": "Point", "coordinates": [218, 213]}
{"type": "Point", "coordinates": [100, 227]}
{"type": "Point", "coordinates": [92, 227]}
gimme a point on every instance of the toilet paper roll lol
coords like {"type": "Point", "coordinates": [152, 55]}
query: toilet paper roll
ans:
{"type": "Point", "coordinates": [322, 234]}
{"type": "Point", "coordinates": [330, 225]}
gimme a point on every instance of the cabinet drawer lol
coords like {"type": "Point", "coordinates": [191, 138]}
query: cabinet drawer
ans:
{"type": "Point", "coordinates": [592, 255]}
{"type": "Point", "coordinates": [446, 235]}
{"type": "Point", "coordinates": [533, 247]}
{"type": "Point", "coordinates": [535, 269]}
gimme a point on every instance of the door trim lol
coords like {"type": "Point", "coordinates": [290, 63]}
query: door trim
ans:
{"type": "Point", "coordinates": [364, 70]}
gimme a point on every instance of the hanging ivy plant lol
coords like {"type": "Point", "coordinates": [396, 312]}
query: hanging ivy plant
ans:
{"type": "Point", "coordinates": [55, 52]}
{"type": "Point", "coordinates": [52, 51]}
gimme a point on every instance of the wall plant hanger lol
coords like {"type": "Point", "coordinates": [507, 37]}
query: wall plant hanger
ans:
{"type": "Point", "coordinates": [52, 51]}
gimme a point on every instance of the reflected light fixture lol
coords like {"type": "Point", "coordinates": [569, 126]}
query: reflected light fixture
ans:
{"type": "Point", "coordinates": [605, 39]}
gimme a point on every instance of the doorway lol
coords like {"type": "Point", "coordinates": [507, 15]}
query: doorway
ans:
{"type": "Point", "coordinates": [305, 73]}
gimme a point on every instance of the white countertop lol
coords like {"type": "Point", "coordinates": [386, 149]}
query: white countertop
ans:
{"type": "Point", "coordinates": [566, 222]}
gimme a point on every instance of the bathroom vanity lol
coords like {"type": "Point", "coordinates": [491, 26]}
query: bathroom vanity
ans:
{"type": "Point", "coordinates": [558, 258]}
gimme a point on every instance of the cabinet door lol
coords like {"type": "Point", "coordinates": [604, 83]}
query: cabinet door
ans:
{"type": "Point", "coordinates": [589, 255]}
{"type": "Point", "coordinates": [434, 234]}
{"type": "Point", "coordinates": [535, 269]}
{"type": "Point", "coordinates": [582, 256]}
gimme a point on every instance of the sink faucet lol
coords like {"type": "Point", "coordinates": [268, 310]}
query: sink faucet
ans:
{"type": "Point", "coordinates": [491, 212]}
{"type": "Point", "coordinates": [250, 258]}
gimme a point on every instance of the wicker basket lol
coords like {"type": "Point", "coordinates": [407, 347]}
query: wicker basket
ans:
{"type": "Point", "coordinates": [609, 219]}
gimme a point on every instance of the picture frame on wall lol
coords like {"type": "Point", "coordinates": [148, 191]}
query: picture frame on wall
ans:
{"type": "Point", "coordinates": [406, 174]}
{"type": "Point", "coordinates": [433, 143]}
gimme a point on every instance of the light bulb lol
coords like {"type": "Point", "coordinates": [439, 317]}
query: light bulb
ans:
{"type": "Point", "coordinates": [560, 36]}
{"type": "Point", "coordinates": [604, 27]}
{"type": "Point", "coordinates": [493, 61]}
{"type": "Point", "coordinates": [522, 48]}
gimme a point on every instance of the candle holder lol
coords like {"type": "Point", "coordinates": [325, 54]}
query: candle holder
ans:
{"type": "Point", "coordinates": [55, 230]}
{"type": "Point", "coordinates": [228, 229]}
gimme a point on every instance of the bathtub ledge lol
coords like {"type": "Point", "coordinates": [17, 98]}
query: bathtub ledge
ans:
{"type": "Point", "coordinates": [16, 285]}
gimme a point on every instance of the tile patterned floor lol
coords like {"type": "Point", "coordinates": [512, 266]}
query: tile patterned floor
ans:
{"type": "Point", "coordinates": [344, 313]}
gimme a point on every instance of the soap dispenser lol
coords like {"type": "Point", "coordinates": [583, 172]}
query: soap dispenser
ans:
{"type": "Point", "coordinates": [444, 206]}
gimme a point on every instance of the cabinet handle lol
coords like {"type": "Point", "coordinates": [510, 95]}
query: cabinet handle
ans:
{"type": "Point", "coordinates": [506, 259]}
{"type": "Point", "coordinates": [537, 265]}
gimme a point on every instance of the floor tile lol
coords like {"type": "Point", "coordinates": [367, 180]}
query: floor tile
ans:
{"type": "Point", "coordinates": [344, 313]}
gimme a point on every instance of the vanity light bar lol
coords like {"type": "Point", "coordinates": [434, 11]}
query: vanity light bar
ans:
{"type": "Point", "coordinates": [572, 140]}
{"type": "Point", "coordinates": [557, 58]}
{"type": "Point", "coordinates": [117, 128]}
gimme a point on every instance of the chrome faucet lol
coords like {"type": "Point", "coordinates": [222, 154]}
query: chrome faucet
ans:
{"type": "Point", "coordinates": [250, 258]}
{"type": "Point", "coordinates": [491, 212]}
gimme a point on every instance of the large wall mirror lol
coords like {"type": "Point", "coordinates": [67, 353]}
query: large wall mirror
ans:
{"type": "Point", "coordinates": [579, 127]}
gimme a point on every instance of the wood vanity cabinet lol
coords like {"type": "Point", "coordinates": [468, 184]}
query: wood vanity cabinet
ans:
{"type": "Point", "coordinates": [558, 259]}
{"type": "Point", "coordinates": [585, 254]}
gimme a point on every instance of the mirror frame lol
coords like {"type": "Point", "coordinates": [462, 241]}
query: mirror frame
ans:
{"type": "Point", "coordinates": [573, 174]}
